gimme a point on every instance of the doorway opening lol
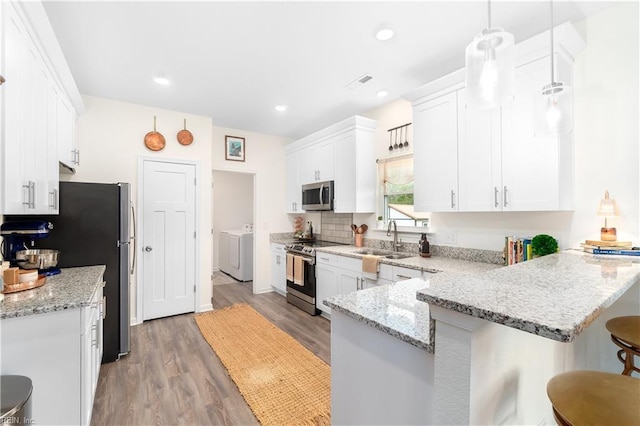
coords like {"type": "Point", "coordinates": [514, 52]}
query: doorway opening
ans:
{"type": "Point", "coordinates": [233, 215]}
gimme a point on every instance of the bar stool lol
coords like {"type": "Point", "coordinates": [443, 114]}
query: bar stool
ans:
{"type": "Point", "coordinates": [594, 398]}
{"type": "Point", "coordinates": [625, 333]}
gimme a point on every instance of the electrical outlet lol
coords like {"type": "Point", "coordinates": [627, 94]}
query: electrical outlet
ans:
{"type": "Point", "coordinates": [451, 237]}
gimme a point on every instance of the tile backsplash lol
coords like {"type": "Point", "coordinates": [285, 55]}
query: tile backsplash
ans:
{"type": "Point", "coordinates": [336, 227]}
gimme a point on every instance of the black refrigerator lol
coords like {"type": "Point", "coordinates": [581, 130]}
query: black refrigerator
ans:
{"type": "Point", "coordinates": [93, 228]}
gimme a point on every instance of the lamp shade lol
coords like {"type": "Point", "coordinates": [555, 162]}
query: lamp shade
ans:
{"type": "Point", "coordinates": [608, 206]}
{"type": "Point", "coordinates": [553, 110]}
{"type": "Point", "coordinates": [490, 69]}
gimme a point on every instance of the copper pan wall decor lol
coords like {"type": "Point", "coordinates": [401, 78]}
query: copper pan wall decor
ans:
{"type": "Point", "coordinates": [154, 140]}
{"type": "Point", "coordinates": [184, 136]}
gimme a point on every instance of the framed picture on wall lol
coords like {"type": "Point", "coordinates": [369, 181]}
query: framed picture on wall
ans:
{"type": "Point", "coordinates": [234, 148]}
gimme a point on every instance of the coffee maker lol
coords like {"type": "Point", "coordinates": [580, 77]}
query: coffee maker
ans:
{"type": "Point", "coordinates": [18, 236]}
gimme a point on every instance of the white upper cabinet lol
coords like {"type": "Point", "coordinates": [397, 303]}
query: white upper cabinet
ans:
{"type": "Point", "coordinates": [436, 148]}
{"type": "Point", "coordinates": [318, 161]}
{"type": "Point", "coordinates": [537, 172]}
{"type": "Point", "coordinates": [481, 161]}
{"type": "Point", "coordinates": [294, 190]}
{"type": "Point", "coordinates": [344, 153]}
{"type": "Point", "coordinates": [35, 126]}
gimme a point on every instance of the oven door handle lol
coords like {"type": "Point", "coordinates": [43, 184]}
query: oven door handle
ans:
{"type": "Point", "coordinates": [310, 260]}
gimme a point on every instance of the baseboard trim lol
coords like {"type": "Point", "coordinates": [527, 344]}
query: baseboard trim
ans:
{"type": "Point", "coordinates": [205, 308]}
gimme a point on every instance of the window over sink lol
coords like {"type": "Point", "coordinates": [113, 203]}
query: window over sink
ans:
{"type": "Point", "coordinates": [395, 192]}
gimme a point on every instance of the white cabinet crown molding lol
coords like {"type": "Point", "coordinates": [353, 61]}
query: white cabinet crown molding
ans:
{"type": "Point", "coordinates": [567, 42]}
{"type": "Point", "coordinates": [355, 122]}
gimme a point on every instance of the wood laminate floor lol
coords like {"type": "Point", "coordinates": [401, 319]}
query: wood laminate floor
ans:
{"type": "Point", "coordinates": [173, 377]}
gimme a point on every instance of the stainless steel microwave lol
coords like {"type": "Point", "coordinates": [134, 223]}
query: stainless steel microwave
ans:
{"type": "Point", "coordinates": [317, 196]}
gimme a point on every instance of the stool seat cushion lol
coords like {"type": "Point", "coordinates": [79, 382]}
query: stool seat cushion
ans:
{"type": "Point", "coordinates": [595, 398]}
{"type": "Point", "coordinates": [626, 329]}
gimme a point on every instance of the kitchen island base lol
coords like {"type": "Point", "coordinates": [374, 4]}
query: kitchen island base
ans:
{"type": "Point", "coordinates": [480, 372]}
{"type": "Point", "coordinates": [377, 378]}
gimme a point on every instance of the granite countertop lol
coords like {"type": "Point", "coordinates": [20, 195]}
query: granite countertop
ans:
{"type": "Point", "coordinates": [393, 308]}
{"type": "Point", "coordinates": [72, 288]}
{"type": "Point", "coordinates": [555, 296]}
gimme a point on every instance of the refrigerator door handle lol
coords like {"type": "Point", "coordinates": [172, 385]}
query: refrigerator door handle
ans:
{"type": "Point", "coordinates": [133, 216]}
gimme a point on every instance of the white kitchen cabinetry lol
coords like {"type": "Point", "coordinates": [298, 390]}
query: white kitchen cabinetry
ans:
{"type": "Point", "coordinates": [344, 153]}
{"type": "Point", "coordinates": [68, 154]}
{"type": "Point", "coordinates": [491, 160]}
{"type": "Point", "coordinates": [343, 274]}
{"type": "Point", "coordinates": [61, 352]}
{"type": "Point", "coordinates": [92, 347]}
{"type": "Point", "coordinates": [537, 172]}
{"type": "Point", "coordinates": [294, 187]}
{"type": "Point", "coordinates": [326, 279]}
{"type": "Point", "coordinates": [436, 144]}
{"type": "Point", "coordinates": [31, 132]}
{"type": "Point", "coordinates": [318, 161]}
{"type": "Point", "coordinates": [279, 268]}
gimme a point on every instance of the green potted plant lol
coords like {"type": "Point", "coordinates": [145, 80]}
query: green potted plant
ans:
{"type": "Point", "coordinates": [543, 244]}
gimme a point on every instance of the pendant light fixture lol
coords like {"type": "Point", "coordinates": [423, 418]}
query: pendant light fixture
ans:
{"type": "Point", "coordinates": [490, 68]}
{"type": "Point", "coordinates": [553, 103]}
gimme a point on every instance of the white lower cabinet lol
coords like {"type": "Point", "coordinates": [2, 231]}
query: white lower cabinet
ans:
{"type": "Point", "coordinates": [61, 352]}
{"type": "Point", "coordinates": [341, 275]}
{"type": "Point", "coordinates": [326, 279]}
{"type": "Point", "coordinates": [278, 268]}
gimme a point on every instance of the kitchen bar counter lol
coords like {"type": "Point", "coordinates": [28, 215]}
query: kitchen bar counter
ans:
{"type": "Point", "coordinates": [393, 308]}
{"type": "Point", "coordinates": [72, 288]}
{"type": "Point", "coordinates": [556, 296]}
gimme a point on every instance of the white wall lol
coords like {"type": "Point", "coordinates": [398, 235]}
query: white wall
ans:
{"type": "Point", "coordinates": [606, 145]}
{"type": "Point", "coordinates": [266, 159]}
{"type": "Point", "coordinates": [232, 205]}
{"type": "Point", "coordinates": [110, 138]}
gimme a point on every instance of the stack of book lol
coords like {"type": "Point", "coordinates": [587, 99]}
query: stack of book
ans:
{"type": "Point", "coordinates": [624, 248]}
{"type": "Point", "coordinates": [516, 250]}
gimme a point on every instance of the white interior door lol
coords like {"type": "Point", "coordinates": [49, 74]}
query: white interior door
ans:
{"type": "Point", "coordinates": [168, 246]}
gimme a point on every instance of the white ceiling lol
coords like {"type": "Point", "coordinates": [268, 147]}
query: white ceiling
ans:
{"type": "Point", "coordinates": [234, 61]}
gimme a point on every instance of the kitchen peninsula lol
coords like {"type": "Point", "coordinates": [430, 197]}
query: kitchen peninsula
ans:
{"type": "Point", "coordinates": [53, 335]}
{"type": "Point", "coordinates": [498, 337]}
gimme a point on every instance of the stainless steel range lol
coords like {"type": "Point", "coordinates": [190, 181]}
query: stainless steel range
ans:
{"type": "Point", "coordinates": [301, 274]}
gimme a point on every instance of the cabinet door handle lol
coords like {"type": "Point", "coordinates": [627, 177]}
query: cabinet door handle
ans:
{"type": "Point", "coordinates": [504, 194]}
{"type": "Point", "coordinates": [453, 203]}
{"type": "Point", "coordinates": [403, 276]}
{"type": "Point", "coordinates": [104, 307]}
{"type": "Point", "coordinates": [78, 158]}
{"type": "Point", "coordinates": [357, 283]}
{"type": "Point", "coordinates": [495, 196]}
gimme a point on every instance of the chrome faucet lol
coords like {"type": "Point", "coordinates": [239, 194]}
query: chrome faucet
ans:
{"type": "Point", "coordinates": [396, 245]}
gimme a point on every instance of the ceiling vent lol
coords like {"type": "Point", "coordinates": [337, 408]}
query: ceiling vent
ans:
{"type": "Point", "coordinates": [359, 81]}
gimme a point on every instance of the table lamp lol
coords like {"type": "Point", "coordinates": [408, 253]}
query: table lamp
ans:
{"type": "Point", "coordinates": [608, 208]}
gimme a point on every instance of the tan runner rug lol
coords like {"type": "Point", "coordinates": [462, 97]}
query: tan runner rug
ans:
{"type": "Point", "coordinates": [282, 381]}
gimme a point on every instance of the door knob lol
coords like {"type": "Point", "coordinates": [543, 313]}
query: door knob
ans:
{"type": "Point", "coordinates": [148, 248]}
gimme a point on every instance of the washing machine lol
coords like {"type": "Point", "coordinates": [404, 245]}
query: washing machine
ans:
{"type": "Point", "coordinates": [236, 253]}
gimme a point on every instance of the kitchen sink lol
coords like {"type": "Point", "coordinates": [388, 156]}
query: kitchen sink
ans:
{"type": "Point", "coordinates": [372, 252]}
{"type": "Point", "coordinates": [398, 256]}
{"type": "Point", "coordinates": [384, 253]}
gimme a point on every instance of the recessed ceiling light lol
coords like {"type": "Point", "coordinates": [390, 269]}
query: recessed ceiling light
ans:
{"type": "Point", "coordinates": [281, 108]}
{"type": "Point", "coordinates": [384, 34]}
{"type": "Point", "coordinates": [161, 80]}
{"type": "Point", "coordinates": [382, 93]}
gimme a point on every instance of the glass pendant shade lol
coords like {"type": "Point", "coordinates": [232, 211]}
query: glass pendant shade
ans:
{"type": "Point", "coordinates": [490, 69]}
{"type": "Point", "coordinates": [553, 110]}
